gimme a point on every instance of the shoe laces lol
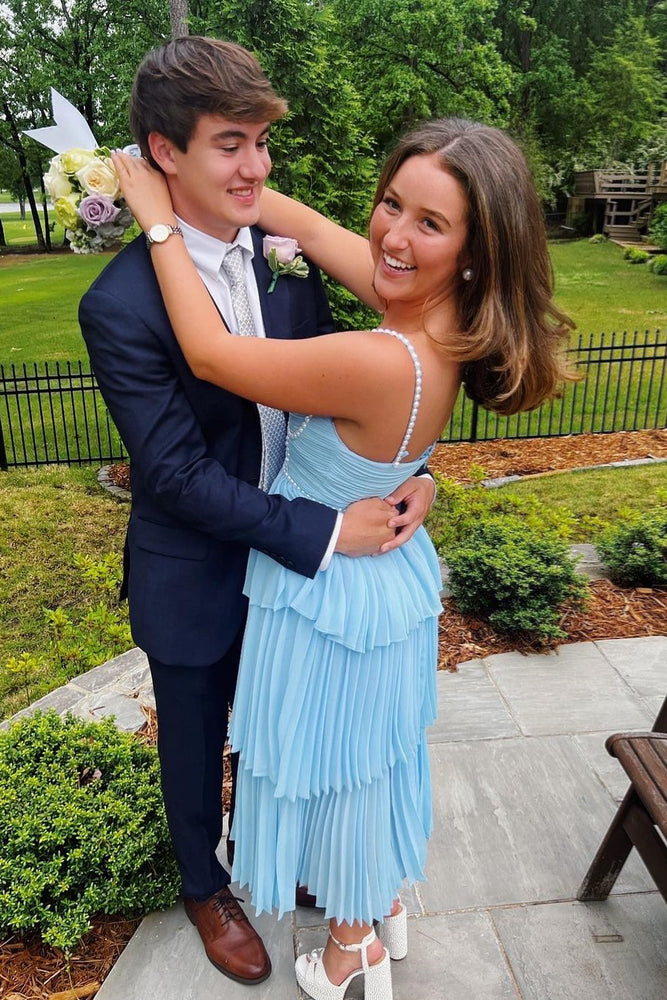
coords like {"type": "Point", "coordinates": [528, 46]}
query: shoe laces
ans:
{"type": "Point", "coordinates": [227, 906]}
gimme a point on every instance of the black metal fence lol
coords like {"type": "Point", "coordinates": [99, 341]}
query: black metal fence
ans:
{"type": "Point", "coordinates": [54, 413]}
{"type": "Point", "coordinates": [623, 389]}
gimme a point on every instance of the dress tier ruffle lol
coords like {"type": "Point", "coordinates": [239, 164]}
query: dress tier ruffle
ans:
{"type": "Point", "coordinates": [336, 688]}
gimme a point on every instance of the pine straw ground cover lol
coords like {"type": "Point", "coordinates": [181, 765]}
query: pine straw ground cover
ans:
{"type": "Point", "coordinates": [31, 971]}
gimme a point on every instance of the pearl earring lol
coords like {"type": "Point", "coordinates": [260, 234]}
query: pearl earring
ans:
{"type": "Point", "coordinates": [467, 273]}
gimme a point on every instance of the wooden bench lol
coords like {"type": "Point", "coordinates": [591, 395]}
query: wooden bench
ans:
{"type": "Point", "coordinates": [641, 819]}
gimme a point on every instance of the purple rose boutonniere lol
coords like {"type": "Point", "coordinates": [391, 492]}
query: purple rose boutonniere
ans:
{"type": "Point", "coordinates": [282, 254]}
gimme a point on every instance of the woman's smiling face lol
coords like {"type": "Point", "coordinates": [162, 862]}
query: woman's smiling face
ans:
{"type": "Point", "coordinates": [418, 233]}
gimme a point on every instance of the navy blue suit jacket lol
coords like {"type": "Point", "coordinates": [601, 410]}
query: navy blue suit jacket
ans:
{"type": "Point", "coordinates": [195, 453]}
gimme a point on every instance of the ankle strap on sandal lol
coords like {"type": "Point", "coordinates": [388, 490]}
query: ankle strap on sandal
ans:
{"type": "Point", "coordinates": [360, 946]}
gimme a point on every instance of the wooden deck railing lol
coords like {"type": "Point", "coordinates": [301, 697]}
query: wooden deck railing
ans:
{"type": "Point", "coordinates": [614, 182]}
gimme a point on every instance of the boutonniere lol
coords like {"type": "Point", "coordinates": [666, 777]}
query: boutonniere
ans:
{"type": "Point", "coordinates": [282, 254]}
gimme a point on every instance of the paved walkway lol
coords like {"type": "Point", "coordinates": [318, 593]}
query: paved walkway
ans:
{"type": "Point", "coordinates": [523, 792]}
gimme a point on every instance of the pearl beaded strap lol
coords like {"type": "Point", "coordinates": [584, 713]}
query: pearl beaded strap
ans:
{"type": "Point", "coordinates": [403, 450]}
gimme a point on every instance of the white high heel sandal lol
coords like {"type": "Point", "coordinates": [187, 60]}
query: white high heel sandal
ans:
{"type": "Point", "coordinates": [393, 932]}
{"type": "Point", "coordinates": [313, 980]}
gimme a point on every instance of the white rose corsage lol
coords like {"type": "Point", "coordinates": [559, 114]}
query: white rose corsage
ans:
{"type": "Point", "coordinates": [282, 254]}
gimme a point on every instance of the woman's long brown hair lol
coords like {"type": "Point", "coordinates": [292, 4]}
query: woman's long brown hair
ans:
{"type": "Point", "coordinates": [511, 335]}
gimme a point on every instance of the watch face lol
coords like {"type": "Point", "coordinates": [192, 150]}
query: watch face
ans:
{"type": "Point", "coordinates": [159, 233]}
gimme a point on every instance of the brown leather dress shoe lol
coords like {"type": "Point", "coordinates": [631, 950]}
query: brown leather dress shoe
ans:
{"type": "Point", "coordinates": [231, 942]}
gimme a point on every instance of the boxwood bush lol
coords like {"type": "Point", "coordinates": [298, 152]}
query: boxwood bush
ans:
{"type": "Point", "coordinates": [636, 256]}
{"type": "Point", "coordinates": [82, 828]}
{"type": "Point", "coordinates": [634, 550]}
{"type": "Point", "coordinates": [658, 264]}
{"type": "Point", "coordinates": [515, 576]}
{"type": "Point", "coordinates": [508, 557]}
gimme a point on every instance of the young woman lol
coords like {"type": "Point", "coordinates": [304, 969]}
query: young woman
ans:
{"type": "Point", "coordinates": [337, 678]}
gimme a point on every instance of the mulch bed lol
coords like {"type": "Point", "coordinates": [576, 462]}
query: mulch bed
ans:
{"type": "Point", "coordinates": [523, 456]}
{"type": "Point", "coordinates": [611, 613]}
{"type": "Point", "coordinates": [536, 456]}
{"type": "Point", "coordinates": [31, 971]}
{"type": "Point", "coordinates": [119, 475]}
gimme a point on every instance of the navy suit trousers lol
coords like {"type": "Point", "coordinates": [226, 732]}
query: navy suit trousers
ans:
{"type": "Point", "coordinates": [193, 705]}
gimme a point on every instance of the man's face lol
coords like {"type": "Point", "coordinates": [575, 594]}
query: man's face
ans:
{"type": "Point", "coordinates": [215, 185]}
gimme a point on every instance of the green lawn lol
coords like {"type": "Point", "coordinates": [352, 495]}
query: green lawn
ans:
{"type": "Point", "coordinates": [598, 496]}
{"type": "Point", "coordinates": [40, 298]}
{"type": "Point", "coordinates": [21, 232]}
{"type": "Point", "coordinates": [47, 515]}
{"type": "Point", "coordinates": [603, 293]}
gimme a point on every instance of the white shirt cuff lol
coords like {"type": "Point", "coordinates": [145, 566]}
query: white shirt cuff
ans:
{"type": "Point", "coordinates": [326, 559]}
{"type": "Point", "coordinates": [427, 475]}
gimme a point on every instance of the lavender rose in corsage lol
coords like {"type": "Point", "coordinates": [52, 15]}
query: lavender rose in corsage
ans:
{"type": "Point", "coordinates": [282, 254]}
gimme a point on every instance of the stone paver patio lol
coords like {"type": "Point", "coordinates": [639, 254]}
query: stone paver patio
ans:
{"type": "Point", "coordinates": [523, 793]}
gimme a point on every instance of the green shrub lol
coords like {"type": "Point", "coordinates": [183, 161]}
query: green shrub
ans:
{"type": "Point", "coordinates": [658, 264]}
{"type": "Point", "coordinates": [636, 256]}
{"type": "Point", "coordinates": [458, 509]}
{"type": "Point", "coordinates": [517, 577]}
{"type": "Point", "coordinates": [658, 228]}
{"type": "Point", "coordinates": [82, 828]}
{"type": "Point", "coordinates": [598, 238]}
{"type": "Point", "coordinates": [635, 549]}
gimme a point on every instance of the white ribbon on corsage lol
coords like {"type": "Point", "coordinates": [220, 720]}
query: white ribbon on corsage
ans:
{"type": "Point", "coordinates": [71, 130]}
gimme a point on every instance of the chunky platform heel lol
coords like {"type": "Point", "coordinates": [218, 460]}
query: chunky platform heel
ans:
{"type": "Point", "coordinates": [313, 980]}
{"type": "Point", "coordinates": [393, 932]}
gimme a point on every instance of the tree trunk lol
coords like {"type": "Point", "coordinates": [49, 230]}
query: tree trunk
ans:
{"type": "Point", "coordinates": [3, 238]}
{"type": "Point", "coordinates": [179, 18]}
{"type": "Point", "coordinates": [27, 183]}
{"type": "Point", "coordinates": [47, 230]}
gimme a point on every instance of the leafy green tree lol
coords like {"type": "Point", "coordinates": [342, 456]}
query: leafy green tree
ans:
{"type": "Point", "coordinates": [412, 61]}
{"type": "Point", "coordinates": [622, 98]}
{"type": "Point", "coordinates": [321, 153]}
{"type": "Point", "coordinates": [86, 49]}
{"type": "Point", "coordinates": [577, 28]}
{"type": "Point", "coordinates": [583, 70]}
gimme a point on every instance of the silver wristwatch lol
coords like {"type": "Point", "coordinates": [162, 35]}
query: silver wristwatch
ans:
{"type": "Point", "coordinates": [161, 232]}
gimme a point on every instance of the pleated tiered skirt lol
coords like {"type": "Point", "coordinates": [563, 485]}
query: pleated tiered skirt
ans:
{"type": "Point", "coordinates": [336, 688]}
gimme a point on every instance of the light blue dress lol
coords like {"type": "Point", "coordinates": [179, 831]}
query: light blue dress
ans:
{"type": "Point", "coordinates": [336, 687]}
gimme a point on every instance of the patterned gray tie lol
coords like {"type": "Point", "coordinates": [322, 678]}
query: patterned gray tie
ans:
{"type": "Point", "coordinates": [272, 421]}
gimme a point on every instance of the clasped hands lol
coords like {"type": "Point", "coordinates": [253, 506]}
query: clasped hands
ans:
{"type": "Point", "coordinates": [375, 526]}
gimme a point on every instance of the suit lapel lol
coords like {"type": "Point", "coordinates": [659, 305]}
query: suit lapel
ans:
{"type": "Point", "coordinates": [276, 307]}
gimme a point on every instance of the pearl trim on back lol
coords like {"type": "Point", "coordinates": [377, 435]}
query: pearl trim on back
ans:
{"type": "Point", "coordinates": [403, 450]}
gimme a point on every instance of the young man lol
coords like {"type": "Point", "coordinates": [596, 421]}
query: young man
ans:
{"type": "Point", "coordinates": [201, 111]}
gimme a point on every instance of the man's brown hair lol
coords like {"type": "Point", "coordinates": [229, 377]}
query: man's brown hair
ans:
{"type": "Point", "coordinates": [192, 76]}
